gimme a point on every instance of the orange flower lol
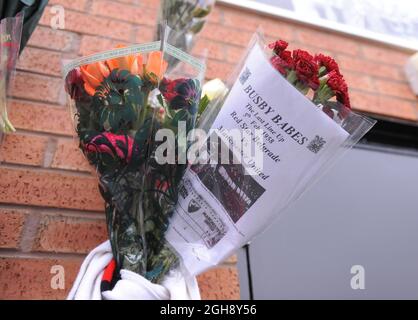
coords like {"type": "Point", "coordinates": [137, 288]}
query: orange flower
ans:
{"type": "Point", "coordinates": [156, 64]}
{"type": "Point", "coordinates": [132, 63]}
{"type": "Point", "coordinates": [93, 75]}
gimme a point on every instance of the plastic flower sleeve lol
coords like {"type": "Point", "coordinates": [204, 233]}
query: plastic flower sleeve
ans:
{"type": "Point", "coordinates": [10, 35]}
{"type": "Point", "coordinates": [285, 120]}
{"type": "Point", "coordinates": [187, 19]}
{"type": "Point", "coordinates": [126, 108]}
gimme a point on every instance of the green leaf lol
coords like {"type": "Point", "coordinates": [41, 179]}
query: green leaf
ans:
{"type": "Point", "coordinates": [160, 99]}
{"type": "Point", "coordinates": [143, 134]}
{"type": "Point", "coordinates": [197, 27]}
{"type": "Point", "coordinates": [181, 115]}
{"type": "Point", "coordinates": [204, 102]}
{"type": "Point", "coordinates": [118, 100]}
{"type": "Point", "coordinates": [322, 71]}
{"type": "Point", "coordinates": [202, 12]}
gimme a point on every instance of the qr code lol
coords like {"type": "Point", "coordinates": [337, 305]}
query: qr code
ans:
{"type": "Point", "coordinates": [316, 144]}
{"type": "Point", "coordinates": [244, 76]}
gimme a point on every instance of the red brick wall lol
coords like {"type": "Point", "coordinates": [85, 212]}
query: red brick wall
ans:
{"type": "Point", "coordinates": [50, 208]}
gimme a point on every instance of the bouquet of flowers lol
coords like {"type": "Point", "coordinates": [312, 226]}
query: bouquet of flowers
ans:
{"type": "Point", "coordinates": [286, 117]}
{"type": "Point", "coordinates": [10, 35]}
{"type": "Point", "coordinates": [120, 100]}
{"type": "Point", "coordinates": [187, 18]}
{"type": "Point", "coordinates": [175, 193]}
{"type": "Point", "coordinates": [319, 75]}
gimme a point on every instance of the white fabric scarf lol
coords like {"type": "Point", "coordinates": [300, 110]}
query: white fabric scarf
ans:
{"type": "Point", "coordinates": [175, 286]}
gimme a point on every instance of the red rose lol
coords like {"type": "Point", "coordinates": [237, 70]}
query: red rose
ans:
{"type": "Point", "coordinates": [337, 83]}
{"type": "Point", "coordinates": [306, 68]}
{"type": "Point", "coordinates": [278, 46]}
{"type": "Point", "coordinates": [283, 62]}
{"type": "Point", "coordinates": [329, 63]}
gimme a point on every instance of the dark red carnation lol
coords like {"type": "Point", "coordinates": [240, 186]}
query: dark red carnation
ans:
{"type": "Point", "coordinates": [306, 68]}
{"type": "Point", "coordinates": [278, 46]}
{"type": "Point", "coordinates": [329, 63]}
{"type": "Point", "coordinates": [287, 58]}
{"type": "Point", "coordinates": [337, 83]}
{"type": "Point", "coordinates": [283, 62]}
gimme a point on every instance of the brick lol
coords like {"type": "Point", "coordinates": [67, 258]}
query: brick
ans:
{"type": "Point", "coordinates": [143, 34]}
{"type": "Point", "coordinates": [362, 101]}
{"type": "Point", "coordinates": [308, 47]}
{"type": "Point", "coordinates": [11, 226]}
{"type": "Point", "coordinates": [214, 50]}
{"type": "Point", "coordinates": [219, 284]}
{"type": "Point", "coordinates": [385, 55]}
{"type": "Point", "coordinates": [68, 234]}
{"type": "Point", "coordinates": [395, 89]}
{"type": "Point", "coordinates": [30, 278]}
{"type": "Point", "coordinates": [385, 106]}
{"type": "Point", "coordinates": [40, 61]}
{"type": "Point", "coordinates": [141, 2]}
{"type": "Point", "coordinates": [277, 30]}
{"type": "Point", "coordinates": [48, 38]}
{"type": "Point", "coordinates": [93, 44]}
{"type": "Point", "coordinates": [87, 24]}
{"type": "Point", "coordinates": [49, 190]}
{"type": "Point", "coordinates": [328, 41]}
{"type": "Point", "coordinates": [250, 21]}
{"type": "Point", "coordinates": [125, 12]}
{"type": "Point", "coordinates": [40, 117]}
{"type": "Point", "coordinates": [234, 54]}
{"type": "Point", "coordinates": [216, 69]}
{"type": "Point", "coordinates": [241, 18]}
{"type": "Point", "coordinates": [79, 5]}
{"type": "Point", "coordinates": [369, 68]}
{"type": "Point", "coordinates": [145, 3]}
{"type": "Point", "coordinates": [38, 87]}
{"type": "Point", "coordinates": [359, 81]}
{"type": "Point", "coordinates": [23, 149]}
{"type": "Point", "coordinates": [216, 16]}
{"type": "Point", "coordinates": [397, 108]}
{"type": "Point", "coordinates": [69, 157]}
{"type": "Point", "coordinates": [226, 35]}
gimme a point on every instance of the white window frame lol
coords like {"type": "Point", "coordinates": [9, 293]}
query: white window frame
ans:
{"type": "Point", "coordinates": [322, 23]}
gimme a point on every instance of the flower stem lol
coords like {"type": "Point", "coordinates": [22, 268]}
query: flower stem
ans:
{"type": "Point", "coordinates": [142, 112]}
{"type": "Point", "coordinates": [142, 226]}
{"type": "Point", "coordinates": [7, 126]}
